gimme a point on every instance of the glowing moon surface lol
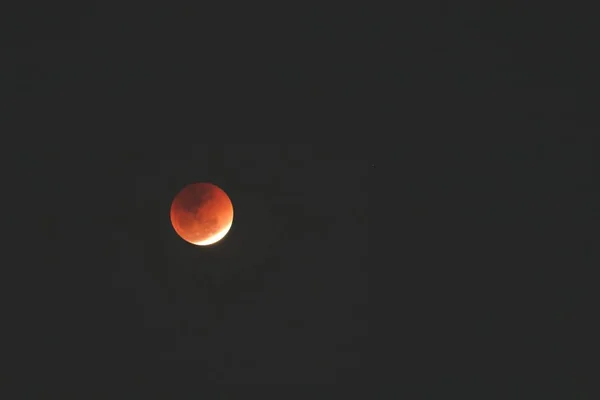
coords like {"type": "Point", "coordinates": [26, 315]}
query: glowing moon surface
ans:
{"type": "Point", "coordinates": [202, 214]}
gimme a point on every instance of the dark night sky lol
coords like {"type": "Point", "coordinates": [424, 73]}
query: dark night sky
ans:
{"type": "Point", "coordinates": [129, 108]}
{"type": "Point", "coordinates": [491, 185]}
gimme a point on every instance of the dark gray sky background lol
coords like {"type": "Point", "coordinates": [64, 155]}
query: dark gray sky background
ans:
{"type": "Point", "coordinates": [484, 121]}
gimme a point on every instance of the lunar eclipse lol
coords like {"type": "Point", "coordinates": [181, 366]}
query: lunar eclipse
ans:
{"type": "Point", "coordinates": [202, 213]}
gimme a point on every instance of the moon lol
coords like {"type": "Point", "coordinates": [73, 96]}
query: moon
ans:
{"type": "Point", "coordinates": [202, 213]}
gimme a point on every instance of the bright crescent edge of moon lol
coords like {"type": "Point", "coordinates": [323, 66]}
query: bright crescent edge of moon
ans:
{"type": "Point", "coordinates": [216, 237]}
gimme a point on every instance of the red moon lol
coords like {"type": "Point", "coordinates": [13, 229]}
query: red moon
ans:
{"type": "Point", "coordinates": [202, 213]}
